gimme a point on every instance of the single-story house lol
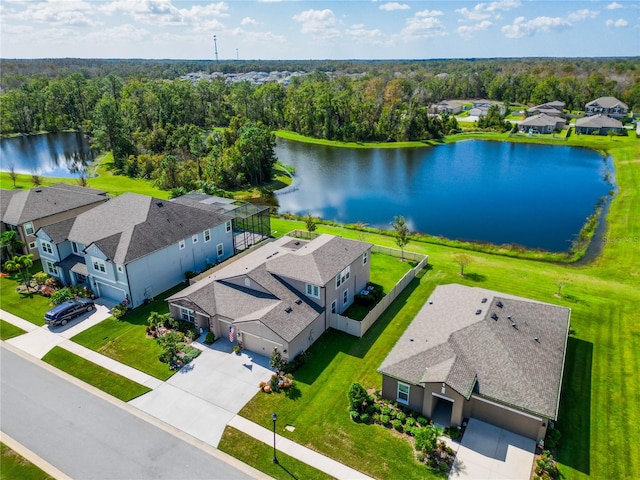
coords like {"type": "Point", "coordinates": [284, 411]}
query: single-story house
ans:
{"type": "Point", "coordinates": [28, 210]}
{"type": "Point", "coordinates": [541, 123]}
{"type": "Point", "coordinates": [609, 106]}
{"type": "Point", "coordinates": [552, 109]}
{"type": "Point", "coordinates": [277, 295]}
{"type": "Point", "coordinates": [134, 247]}
{"type": "Point", "coordinates": [446, 106]}
{"type": "Point", "coordinates": [472, 352]}
{"type": "Point", "coordinates": [600, 123]}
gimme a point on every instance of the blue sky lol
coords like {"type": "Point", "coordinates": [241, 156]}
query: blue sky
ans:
{"type": "Point", "coordinates": [339, 29]}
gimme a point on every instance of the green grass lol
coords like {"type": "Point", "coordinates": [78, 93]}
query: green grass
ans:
{"type": "Point", "coordinates": [28, 306]}
{"type": "Point", "coordinates": [106, 380]}
{"type": "Point", "coordinates": [125, 340]}
{"type": "Point", "coordinates": [334, 143]}
{"type": "Point", "coordinates": [259, 455]}
{"type": "Point", "coordinates": [14, 467]}
{"type": "Point", "coordinates": [7, 330]}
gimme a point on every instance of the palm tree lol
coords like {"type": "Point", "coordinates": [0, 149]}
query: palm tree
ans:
{"type": "Point", "coordinates": [21, 264]}
{"type": "Point", "coordinates": [10, 242]}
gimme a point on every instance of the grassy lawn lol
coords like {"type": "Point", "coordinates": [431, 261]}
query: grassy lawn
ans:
{"type": "Point", "coordinates": [31, 306]}
{"type": "Point", "coordinates": [14, 467]}
{"type": "Point", "coordinates": [106, 380]}
{"type": "Point", "coordinates": [259, 455]}
{"type": "Point", "coordinates": [8, 330]}
{"type": "Point", "coordinates": [125, 340]}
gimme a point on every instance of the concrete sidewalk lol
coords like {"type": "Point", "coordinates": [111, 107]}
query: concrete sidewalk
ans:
{"type": "Point", "coordinates": [293, 449]}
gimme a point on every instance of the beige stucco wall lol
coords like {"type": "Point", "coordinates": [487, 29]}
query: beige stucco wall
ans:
{"type": "Point", "coordinates": [390, 392]}
{"type": "Point", "coordinates": [429, 404]}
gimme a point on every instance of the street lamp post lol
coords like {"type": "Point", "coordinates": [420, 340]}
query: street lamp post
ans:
{"type": "Point", "coordinates": [274, 417]}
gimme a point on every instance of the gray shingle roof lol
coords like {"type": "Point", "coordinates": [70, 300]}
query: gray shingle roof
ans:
{"type": "Point", "coordinates": [131, 226]}
{"type": "Point", "coordinates": [598, 121]}
{"type": "Point", "coordinates": [541, 120]}
{"type": "Point", "coordinates": [449, 342]}
{"type": "Point", "coordinates": [41, 202]}
{"type": "Point", "coordinates": [607, 102]}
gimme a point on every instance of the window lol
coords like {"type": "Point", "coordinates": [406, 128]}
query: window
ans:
{"type": "Point", "coordinates": [28, 228]}
{"type": "Point", "coordinates": [403, 393]}
{"type": "Point", "coordinates": [32, 245]}
{"type": "Point", "coordinates": [77, 248]}
{"type": "Point", "coordinates": [220, 249]}
{"type": "Point", "coordinates": [207, 235]}
{"type": "Point", "coordinates": [334, 306]}
{"type": "Point", "coordinates": [99, 266]}
{"type": "Point", "coordinates": [187, 315]}
{"type": "Point", "coordinates": [313, 290]}
{"type": "Point", "coordinates": [343, 276]}
{"type": "Point", "coordinates": [181, 244]}
{"type": "Point", "coordinates": [194, 238]}
{"type": "Point", "coordinates": [51, 268]}
{"type": "Point", "coordinates": [345, 297]}
{"type": "Point", "coordinates": [365, 258]}
{"type": "Point", "coordinates": [227, 226]}
{"type": "Point", "coordinates": [46, 247]}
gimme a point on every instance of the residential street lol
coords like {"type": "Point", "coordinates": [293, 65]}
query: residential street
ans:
{"type": "Point", "coordinates": [63, 423]}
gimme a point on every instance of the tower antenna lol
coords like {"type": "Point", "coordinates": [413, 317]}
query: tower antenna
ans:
{"type": "Point", "coordinates": [215, 46]}
{"type": "Point", "coordinates": [237, 55]}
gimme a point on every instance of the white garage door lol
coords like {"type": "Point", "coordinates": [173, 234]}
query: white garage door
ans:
{"type": "Point", "coordinates": [259, 345]}
{"type": "Point", "coordinates": [109, 292]}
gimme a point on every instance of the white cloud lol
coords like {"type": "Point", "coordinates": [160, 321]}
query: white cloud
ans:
{"type": "Point", "coordinates": [257, 37]}
{"type": "Point", "coordinates": [248, 21]}
{"type": "Point", "coordinates": [483, 11]}
{"type": "Point", "coordinates": [320, 24]}
{"type": "Point", "coordinates": [614, 6]}
{"type": "Point", "coordinates": [429, 13]}
{"type": "Point", "coordinates": [504, 5]}
{"type": "Point", "coordinates": [467, 31]}
{"type": "Point", "coordinates": [582, 15]}
{"type": "Point", "coordinates": [424, 27]}
{"type": "Point", "coordinates": [361, 35]}
{"type": "Point", "coordinates": [72, 13]}
{"type": "Point", "coordinates": [476, 14]}
{"type": "Point", "coordinates": [164, 13]}
{"type": "Point", "coordinates": [392, 6]}
{"type": "Point", "coordinates": [620, 23]}
{"type": "Point", "coordinates": [527, 28]}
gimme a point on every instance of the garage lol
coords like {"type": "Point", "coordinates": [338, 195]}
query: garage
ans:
{"type": "Point", "coordinates": [510, 419]}
{"type": "Point", "coordinates": [110, 293]}
{"type": "Point", "coordinates": [259, 345]}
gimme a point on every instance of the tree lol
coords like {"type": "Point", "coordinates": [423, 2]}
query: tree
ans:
{"type": "Point", "coordinates": [170, 343]}
{"type": "Point", "coordinates": [402, 233]}
{"type": "Point", "coordinates": [560, 284]}
{"type": "Point", "coordinates": [12, 174]}
{"type": "Point", "coordinates": [358, 397]}
{"type": "Point", "coordinates": [311, 224]}
{"type": "Point", "coordinates": [21, 264]}
{"type": "Point", "coordinates": [463, 260]}
{"type": "Point", "coordinates": [276, 361]}
{"type": "Point", "coordinates": [10, 243]}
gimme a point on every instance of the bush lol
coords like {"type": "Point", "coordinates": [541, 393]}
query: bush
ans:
{"type": "Point", "coordinates": [210, 338]}
{"type": "Point", "coordinates": [397, 424]}
{"type": "Point", "coordinates": [393, 413]}
{"type": "Point", "coordinates": [422, 421]}
{"type": "Point", "coordinates": [364, 417]}
{"type": "Point", "coordinates": [410, 422]}
{"type": "Point", "coordinates": [385, 410]}
{"type": "Point", "coordinates": [118, 312]}
{"type": "Point", "coordinates": [355, 416]}
{"type": "Point", "coordinates": [40, 277]}
{"type": "Point", "coordinates": [189, 353]}
{"type": "Point", "coordinates": [62, 295]}
{"type": "Point", "coordinates": [401, 416]}
{"type": "Point", "coordinates": [552, 439]}
{"type": "Point", "coordinates": [297, 362]}
{"type": "Point", "coordinates": [384, 419]}
{"type": "Point", "coordinates": [358, 397]}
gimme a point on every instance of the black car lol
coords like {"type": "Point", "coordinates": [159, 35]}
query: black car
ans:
{"type": "Point", "coordinates": [61, 314]}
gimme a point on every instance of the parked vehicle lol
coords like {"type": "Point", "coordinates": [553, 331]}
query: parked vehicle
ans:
{"type": "Point", "coordinates": [61, 314]}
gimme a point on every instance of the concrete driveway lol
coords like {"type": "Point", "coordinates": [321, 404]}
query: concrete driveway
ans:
{"type": "Point", "coordinates": [206, 394]}
{"type": "Point", "coordinates": [488, 452]}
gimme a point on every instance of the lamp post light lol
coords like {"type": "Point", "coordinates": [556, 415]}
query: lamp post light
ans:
{"type": "Point", "coordinates": [274, 417]}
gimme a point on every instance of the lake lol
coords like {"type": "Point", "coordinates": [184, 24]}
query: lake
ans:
{"type": "Point", "coordinates": [536, 196]}
{"type": "Point", "coordinates": [62, 154]}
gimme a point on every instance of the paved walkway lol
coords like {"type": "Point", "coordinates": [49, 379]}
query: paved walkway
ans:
{"type": "Point", "coordinates": [167, 399]}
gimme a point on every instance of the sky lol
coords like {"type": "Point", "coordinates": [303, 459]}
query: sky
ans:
{"type": "Point", "coordinates": [338, 29]}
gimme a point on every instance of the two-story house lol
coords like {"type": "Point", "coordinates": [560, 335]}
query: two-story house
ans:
{"type": "Point", "coordinates": [134, 247]}
{"type": "Point", "coordinates": [28, 210]}
{"type": "Point", "coordinates": [609, 106]}
{"type": "Point", "coordinates": [277, 296]}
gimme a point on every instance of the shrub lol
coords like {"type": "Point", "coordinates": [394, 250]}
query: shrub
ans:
{"type": "Point", "coordinates": [355, 416]}
{"type": "Point", "coordinates": [62, 295]}
{"type": "Point", "coordinates": [397, 424]}
{"type": "Point", "coordinates": [376, 417]}
{"type": "Point", "coordinates": [401, 416]}
{"type": "Point", "coordinates": [118, 312]}
{"type": "Point", "coordinates": [53, 282]}
{"type": "Point", "coordinates": [552, 439]}
{"type": "Point", "coordinates": [385, 410]}
{"type": "Point", "coordinates": [422, 421]}
{"type": "Point", "coordinates": [297, 362]}
{"type": "Point", "coordinates": [210, 338]}
{"type": "Point", "coordinates": [410, 422]}
{"type": "Point", "coordinates": [393, 413]}
{"type": "Point", "coordinates": [384, 419]}
{"type": "Point", "coordinates": [427, 437]}
{"type": "Point", "coordinates": [364, 417]}
{"type": "Point", "coordinates": [358, 397]}
{"type": "Point", "coordinates": [40, 277]}
{"type": "Point", "coordinates": [444, 467]}
{"type": "Point", "coordinates": [189, 353]}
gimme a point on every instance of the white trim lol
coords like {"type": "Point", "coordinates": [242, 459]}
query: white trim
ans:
{"type": "Point", "coordinates": [33, 245]}
{"type": "Point", "coordinates": [207, 235]}
{"type": "Point", "coordinates": [181, 244]}
{"type": "Point", "coordinates": [400, 400]}
{"type": "Point", "coordinates": [227, 226]}
{"type": "Point", "coordinates": [194, 238]}
{"type": "Point", "coordinates": [29, 226]}
{"type": "Point", "coordinates": [508, 408]}
{"type": "Point", "coordinates": [442, 397]}
{"type": "Point", "coordinates": [108, 285]}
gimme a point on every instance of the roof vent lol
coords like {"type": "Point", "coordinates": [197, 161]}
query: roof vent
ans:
{"type": "Point", "coordinates": [536, 339]}
{"type": "Point", "coordinates": [499, 304]}
{"type": "Point", "coordinates": [494, 316]}
{"type": "Point", "coordinates": [514, 325]}
{"type": "Point", "coordinates": [288, 309]}
{"type": "Point", "coordinates": [160, 204]}
{"type": "Point", "coordinates": [38, 190]}
{"type": "Point", "coordinates": [509, 317]}
{"type": "Point", "coordinates": [484, 300]}
{"type": "Point", "coordinates": [478, 312]}
{"type": "Point", "coordinates": [411, 339]}
{"type": "Point", "coordinates": [298, 301]}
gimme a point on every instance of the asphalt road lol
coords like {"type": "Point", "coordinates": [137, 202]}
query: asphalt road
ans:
{"type": "Point", "coordinates": [88, 437]}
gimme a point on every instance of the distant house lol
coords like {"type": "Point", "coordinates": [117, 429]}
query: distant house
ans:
{"type": "Point", "coordinates": [471, 352]}
{"type": "Point", "coordinates": [446, 106]}
{"type": "Point", "coordinates": [28, 210]}
{"type": "Point", "coordinates": [609, 106]}
{"type": "Point", "coordinates": [551, 109]}
{"type": "Point", "coordinates": [541, 123]}
{"type": "Point", "coordinates": [482, 103]}
{"type": "Point", "coordinates": [134, 247]}
{"type": "Point", "coordinates": [600, 124]}
{"type": "Point", "coordinates": [278, 295]}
